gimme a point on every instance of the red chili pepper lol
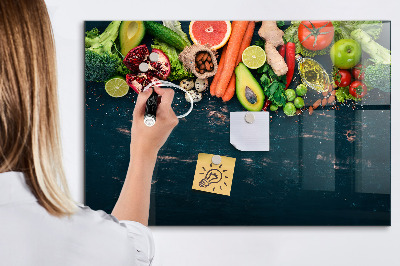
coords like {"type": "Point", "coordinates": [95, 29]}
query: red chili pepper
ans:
{"type": "Point", "coordinates": [282, 50]}
{"type": "Point", "coordinates": [267, 103]}
{"type": "Point", "coordinates": [290, 61]}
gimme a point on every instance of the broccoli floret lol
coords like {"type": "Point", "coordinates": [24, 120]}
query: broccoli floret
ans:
{"type": "Point", "coordinates": [378, 76]}
{"type": "Point", "coordinates": [92, 33]}
{"type": "Point", "coordinates": [101, 60]}
{"type": "Point", "coordinates": [100, 67]}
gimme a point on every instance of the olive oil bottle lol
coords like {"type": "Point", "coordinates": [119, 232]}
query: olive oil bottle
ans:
{"type": "Point", "coordinates": [313, 74]}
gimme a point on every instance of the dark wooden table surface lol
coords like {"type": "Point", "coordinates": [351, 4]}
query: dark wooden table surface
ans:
{"type": "Point", "coordinates": [330, 168]}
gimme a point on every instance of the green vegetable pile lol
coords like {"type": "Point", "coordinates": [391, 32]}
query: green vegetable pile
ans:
{"type": "Point", "coordinates": [102, 60]}
{"type": "Point", "coordinates": [273, 85]}
{"type": "Point", "coordinates": [178, 71]}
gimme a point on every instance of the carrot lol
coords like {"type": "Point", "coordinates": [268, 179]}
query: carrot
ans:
{"type": "Point", "coordinates": [232, 52]}
{"type": "Point", "coordinates": [219, 71]}
{"type": "Point", "coordinates": [230, 91]}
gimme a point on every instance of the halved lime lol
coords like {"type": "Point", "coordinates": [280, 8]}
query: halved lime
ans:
{"type": "Point", "coordinates": [254, 57]}
{"type": "Point", "coordinates": [117, 87]}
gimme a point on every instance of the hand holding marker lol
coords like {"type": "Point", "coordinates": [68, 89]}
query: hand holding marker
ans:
{"type": "Point", "coordinates": [152, 101]}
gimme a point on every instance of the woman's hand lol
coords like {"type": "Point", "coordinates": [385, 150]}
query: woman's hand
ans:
{"type": "Point", "coordinates": [149, 140]}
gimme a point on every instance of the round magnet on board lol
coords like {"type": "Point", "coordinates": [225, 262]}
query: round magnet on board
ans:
{"type": "Point", "coordinates": [153, 57]}
{"type": "Point", "coordinates": [249, 118]}
{"type": "Point", "coordinates": [216, 159]}
{"type": "Point", "coordinates": [143, 67]}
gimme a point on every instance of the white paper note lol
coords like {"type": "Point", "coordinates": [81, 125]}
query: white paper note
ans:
{"type": "Point", "coordinates": [246, 136]}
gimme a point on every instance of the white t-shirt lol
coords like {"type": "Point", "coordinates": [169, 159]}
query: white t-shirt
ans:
{"type": "Point", "coordinates": [29, 235]}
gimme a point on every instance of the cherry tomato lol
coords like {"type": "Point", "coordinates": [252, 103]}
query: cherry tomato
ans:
{"type": "Point", "coordinates": [342, 78]}
{"type": "Point", "coordinates": [316, 35]}
{"type": "Point", "coordinates": [358, 72]}
{"type": "Point", "coordinates": [358, 89]}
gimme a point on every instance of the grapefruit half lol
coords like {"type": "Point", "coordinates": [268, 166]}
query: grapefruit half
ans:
{"type": "Point", "coordinates": [213, 33]}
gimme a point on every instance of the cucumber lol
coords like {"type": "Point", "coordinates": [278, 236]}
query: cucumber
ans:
{"type": "Point", "coordinates": [165, 34]}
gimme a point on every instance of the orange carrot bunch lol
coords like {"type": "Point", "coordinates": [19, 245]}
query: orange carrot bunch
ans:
{"type": "Point", "coordinates": [224, 82]}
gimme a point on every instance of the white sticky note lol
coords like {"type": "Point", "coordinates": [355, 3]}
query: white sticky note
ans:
{"type": "Point", "coordinates": [246, 136]}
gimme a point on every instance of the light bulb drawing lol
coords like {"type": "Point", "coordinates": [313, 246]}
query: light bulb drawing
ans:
{"type": "Point", "coordinates": [213, 175]}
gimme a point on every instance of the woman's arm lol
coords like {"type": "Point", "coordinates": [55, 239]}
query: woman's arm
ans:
{"type": "Point", "coordinates": [134, 201]}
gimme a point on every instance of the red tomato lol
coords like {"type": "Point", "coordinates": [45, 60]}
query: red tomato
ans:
{"type": "Point", "coordinates": [358, 72]}
{"type": "Point", "coordinates": [358, 89]}
{"type": "Point", "coordinates": [342, 78]}
{"type": "Point", "coordinates": [316, 35]}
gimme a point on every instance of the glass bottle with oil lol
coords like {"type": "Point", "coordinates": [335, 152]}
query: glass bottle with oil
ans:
{"type": "Point", "coordinates": [313, 74]}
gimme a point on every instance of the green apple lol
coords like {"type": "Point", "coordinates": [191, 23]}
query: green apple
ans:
{"type": "Point", "coordinates": [345, 53]}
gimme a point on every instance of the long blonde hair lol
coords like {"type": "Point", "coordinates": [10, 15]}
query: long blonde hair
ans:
{"type": "Point", "coordinates": [29, 119]}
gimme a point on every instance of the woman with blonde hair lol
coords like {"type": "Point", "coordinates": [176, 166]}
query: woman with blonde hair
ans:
{"type": "Point", "coordinates": [40, 224]}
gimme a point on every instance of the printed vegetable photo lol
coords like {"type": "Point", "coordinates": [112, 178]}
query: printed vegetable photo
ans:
{"type": "Point", "coordinates": [325, 86]}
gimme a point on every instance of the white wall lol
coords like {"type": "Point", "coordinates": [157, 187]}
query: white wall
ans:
{"type": "Point", "coordinates": [230, 245]}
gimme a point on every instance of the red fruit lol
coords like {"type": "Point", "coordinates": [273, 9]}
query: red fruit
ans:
{"type": "Point", "coordinates": [358, 72]}
{"type": "Point", "coordinates": [135, 57]}
{"type": "Point", "coordinates": [358, 89]}
{"type": "Point", "coordinates": [157, 70]}
{"type": "Point", "coordinates": [139, 81]}
{"type": "Point", "coordinates": [342, 78]}
{"type": "Point", "coordinates": [162, 67]}
{"type": "Point", "coordinates": [316, 35]}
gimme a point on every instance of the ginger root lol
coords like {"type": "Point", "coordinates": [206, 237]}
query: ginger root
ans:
{"type": "Point", "coordinates": [272, 35]}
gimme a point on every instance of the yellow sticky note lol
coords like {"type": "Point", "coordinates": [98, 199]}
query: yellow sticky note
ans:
{"type": "Point", "coordinates": [214, 178]}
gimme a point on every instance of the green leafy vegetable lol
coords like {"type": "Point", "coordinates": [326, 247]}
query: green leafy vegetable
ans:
{"type": "Point", "coordinates": [102, 60]}
{"type": "Point", "coordinates": [344, 28]}
{"type": "Point", "coordinates": [280, 23]}
{"type": "Point", "coordinates": [273, 85]}
{"type": "Point", "coordinates": [178, 71]}
{"type": "Point", "coordinates": [342, 95]}
{"type": "Point", "coordinates": [378, 76]}
{"type": "Point", "coordinates": [176, 26]}
{"type": "Point", "coordinates": [378, 53]}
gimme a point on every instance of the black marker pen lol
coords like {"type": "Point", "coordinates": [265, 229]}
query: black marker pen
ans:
{"type": "Point", "coordinates": [151, 109]}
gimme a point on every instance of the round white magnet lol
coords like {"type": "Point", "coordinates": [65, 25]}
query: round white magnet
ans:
{"type": "Point", "coordinates": [216, 159]}
{"type": "Point", "coordinates": [153, 57]}
{"type": "Point", "coordinates": [249, 118]}
{"type": "Point", "coordinates": [143, 67]}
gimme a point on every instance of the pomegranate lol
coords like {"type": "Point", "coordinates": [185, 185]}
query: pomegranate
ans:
{"type": "Point", "coordinates": [139, 81]}
{"type": "Point", "coordinates": [159, 69]}
{"type": "Point", "coordinates": [162, 67]}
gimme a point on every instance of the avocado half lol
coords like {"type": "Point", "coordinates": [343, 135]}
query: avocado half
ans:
{"type": "Point", "coordinates": [131, 34]}
{"type": "Point", "coordinates": [248, 91]}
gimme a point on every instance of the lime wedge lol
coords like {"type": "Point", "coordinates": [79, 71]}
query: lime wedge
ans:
{"type": "Point", "coordinates": [254, 57]}
{"type": "Point", "coordinates": [117, 87]}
